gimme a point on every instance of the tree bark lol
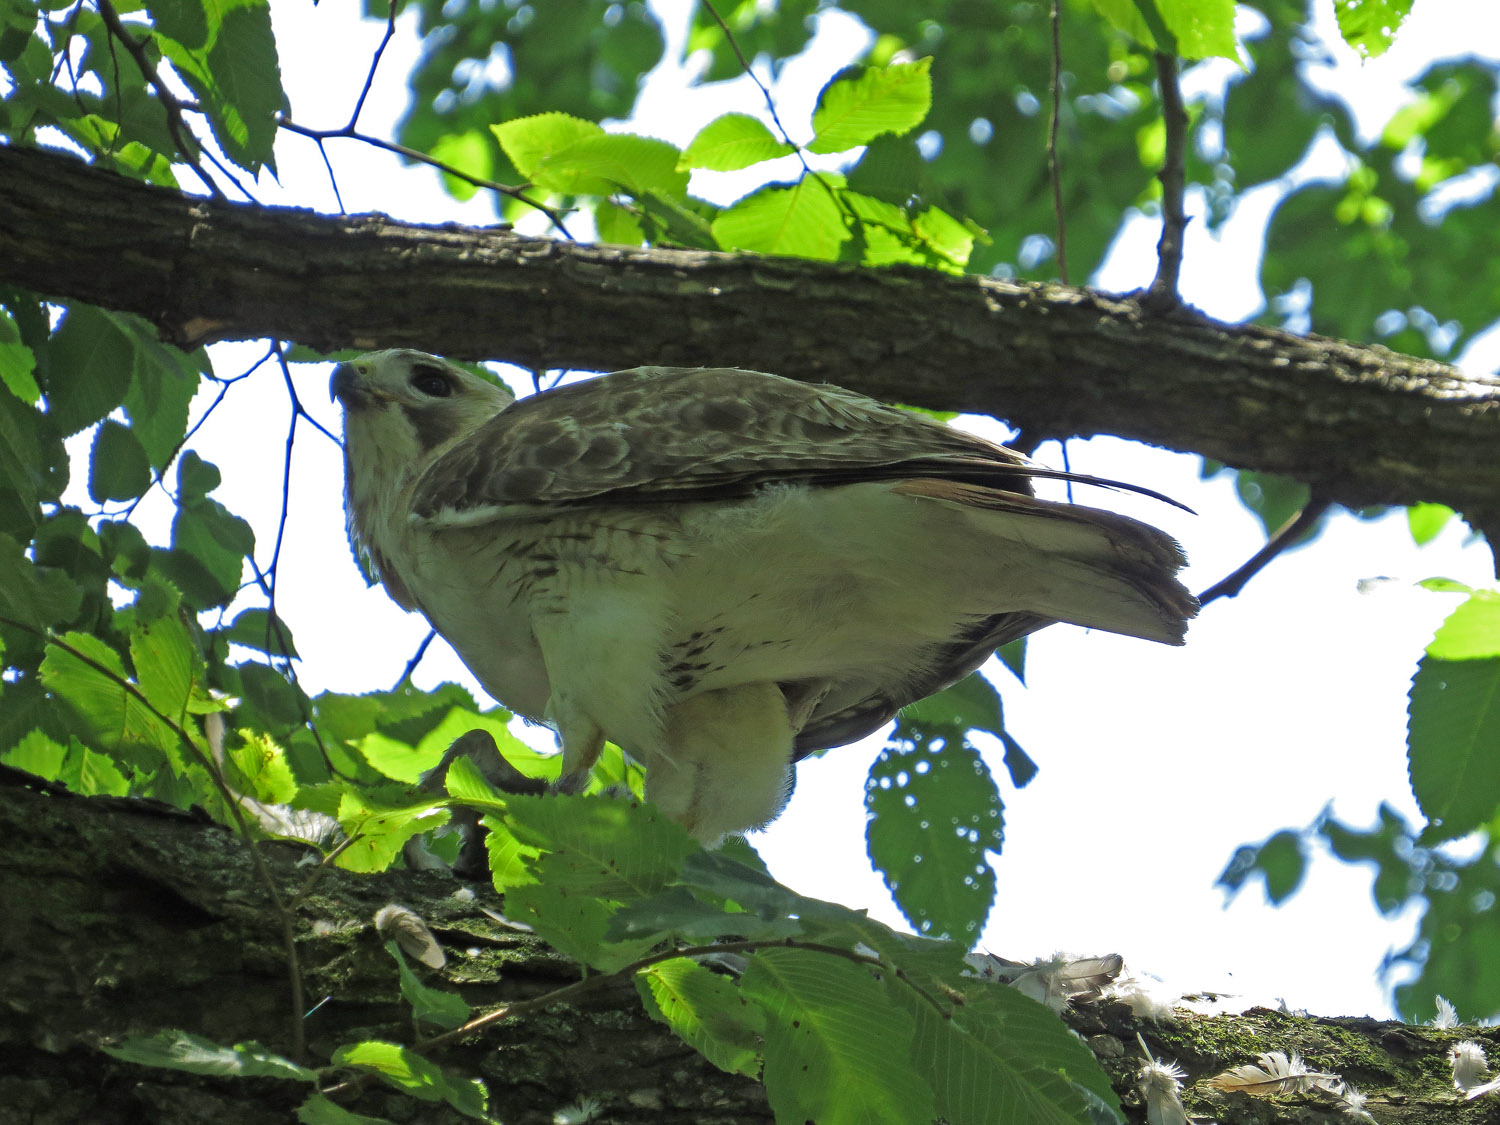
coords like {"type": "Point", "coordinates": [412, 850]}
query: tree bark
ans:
{"type": "Point", "coordinates": [1361, 424]}
{"type": "Point", "coordinates": [124, 917]}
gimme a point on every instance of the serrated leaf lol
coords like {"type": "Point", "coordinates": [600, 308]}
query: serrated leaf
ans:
{"type": "Point", "coordinates": [528, 141]}
{"type": "Point", "coordinates": [260, 630]}
{"type": "Point", "coordinates": [1453, 744]}
{"type": "Point", "coordinates": [598, 165]}
{"type": "Point", "coordinates": [161, 391]}
{"type": "Point", "coordinates": [801, 220]}
{"type": "Point", "coordinates": [1470, 632]}
{"type": "Point", "coordinates": [379, 832]}
{"type": "Point", "coordinates": [1370, 26]}
{"type": "Point", "coordinates": [935, 814]}
{"type": "Point", "coordinates": [706, 1011]}
{"type": "Point", "coordinates": [263, 767]}
{"type": "Point", "coordinates": [89, 364]}
{"type": "Point", "coordinates": [237, 80]}
{"type": "Point", "coordinates": [1203, 28]}
{"type": "Point", "coordinates": [414, 1075]}
{"type": "Point", "coordinates": [854, 110]}
{"type": "Point", "coordinates": [732, 142]}
{"type": "Point", "coordinates": [837, 1051]}
{"type": "Point", "coordinates": [180, 1050]}
{"type": "Point", "coordinates": [1002, 1056]}
{"type": "Point", "coordinates": [38, 754]}
{"type": "Point", "coordinates": [91, 676]}
{"type": "Point", "coordinates": [35, 596]}
{"type": "Point", "coordinates": [168, 667]}
{"type": "Point", "coordinates": [118, 468]}
{"type": "Point", "coordinates": [577, 924]}
{"type": "Point", "coordinates": [601, 846]}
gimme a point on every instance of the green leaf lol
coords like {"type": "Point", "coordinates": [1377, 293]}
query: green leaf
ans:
{"type": "Point", "coordinates": [33, 595]}
{"type": "Point", "coordinates": [935, 813]}
{"type": "Point", "coordinates": [597, 165]}
{"type": "Point", "coordinates": [182, 20]}
{"type": "Point", "coordinates": [261, 630]}
{"type": "Point", "coordinates": [732, 142]}
{"type": "Point", "coordinates": [1453, 722]}
{"type": "Point", "coordinates": [1470, 632]}
{"type": "Point", "coordinates": [380, 832]}
{"type": "Point", "coordinates": [1274, 499]}
{"type": "Point", "coordinates": [1001, 1056]}
{"type": "Point", "coordinates": [617, 225]}
{"type": "Point", "coordinates": [1125, 16]}
{"type": "Point", "coordinates": [118, 468]}
{"type": "Point", "coordinates": [1203, 28]}
{"type": "Point", "coordinates": [318, 1110]}
{"type": "Point", "coordinates": [800, 220]}
{"type": "Point", "coordinates": [89, 364]}
{"type": "Point", "coordinates": [1281, 861]}
{"type": "Point", "coordinates": [1427, 521]}
{"type": "Point", "coordinates": [1370, 26]}
{"type": "Point", "coordinates": [38, 754]}
{"type": "Point", "coordinates": [263, 768]}
{"type": "Point", "coordinates": [446, 1010]}
{"type": "Point", "coordinates": [837, 1050]}
{"type": "Point", "coordinates": [707, 1011]}
{"type": "Point", "coordinates": [91, 676]}
{"type": "Point", "coordinates": [168, 666]}
{"type": "Point", "coordinates": [854, 109]}
{"type": "Point", "coordinates": [578, 925]}
{"type": "Point", "coordinates": [600, 845]}
{"type": "Point", "coordinates": [237, 79]}
{"type": "Point", "coordinates": [166, 379]}
{"type": "Point", "coordinates": [414, 1075]}
{"type": "Point", "coordinates": [528, 141]}
{"type": "Point", "coordinates": [471, 152]}
{"type": "Point", "coordinates": [179, 1050]}
{"type": "Point", "coordinates": [17, 362]}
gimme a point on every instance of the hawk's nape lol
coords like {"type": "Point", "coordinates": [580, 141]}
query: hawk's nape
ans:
{"type": "Point", "coordinates": [719, 570]}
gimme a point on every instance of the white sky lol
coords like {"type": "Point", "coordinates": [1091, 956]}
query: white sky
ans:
{"type": "Point", "coordinates": [1156, 763]}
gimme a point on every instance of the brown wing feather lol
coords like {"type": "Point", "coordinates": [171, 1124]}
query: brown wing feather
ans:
{"type": "Point", "coordinates": [654, 434]}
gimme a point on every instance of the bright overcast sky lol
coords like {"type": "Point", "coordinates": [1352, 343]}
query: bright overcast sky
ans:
{"type": "Point", "coordinates": [1156, 763]}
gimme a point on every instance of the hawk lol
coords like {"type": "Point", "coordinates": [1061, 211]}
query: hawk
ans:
{"type": "Point", "coordinates": [721, 571]}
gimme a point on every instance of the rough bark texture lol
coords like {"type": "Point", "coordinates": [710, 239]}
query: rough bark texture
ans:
{"type": "Point", "coordinates": [123, 917]}
{"type": "Point", "coordinates": [1361, 424]}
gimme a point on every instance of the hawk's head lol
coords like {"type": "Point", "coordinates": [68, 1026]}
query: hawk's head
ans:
{"type": "Point", "coordinates": [402, 409]}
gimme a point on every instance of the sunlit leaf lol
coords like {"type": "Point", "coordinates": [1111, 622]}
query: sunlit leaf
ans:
{"type": "Point", "coordinates": [856, 108]}
{"type": "Point", "coordinates": [179, 1050]}
{"type": "Point", "coordinates": [803, 220]}
{"type": "Point", "coordinates": [707, 1011]}
{"type": "Point", "coordinates": [731, 142]}
{"type": "Point", "coordinates": [1370, 26]}
{"type": "Point", "coordinates": [414, 1075]}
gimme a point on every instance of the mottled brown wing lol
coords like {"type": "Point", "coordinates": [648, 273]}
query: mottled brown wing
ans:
{"type": "Point", "coordinates": [846, 722]}
{"type": "Point", "coordinates": [654, 434]}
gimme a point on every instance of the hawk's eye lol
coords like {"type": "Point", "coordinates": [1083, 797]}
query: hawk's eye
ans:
{"type": "Point", "coordinates": [431, 381]}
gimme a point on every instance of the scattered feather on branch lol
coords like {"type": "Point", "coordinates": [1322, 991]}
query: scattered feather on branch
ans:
{"type": "Point", "coordinates": [1160, 1083]}
{"type": "Point", "coordinates": [1469, 1065]}
{"type": "Point", "coordinates": [1447, 1014]}
{"type": "Point", "coordinates": [1275, 1074]}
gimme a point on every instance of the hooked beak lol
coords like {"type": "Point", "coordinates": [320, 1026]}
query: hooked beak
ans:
{"type": "Point", "coordinates": [347, 387]}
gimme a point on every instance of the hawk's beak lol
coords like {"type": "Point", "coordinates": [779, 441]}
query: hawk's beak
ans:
{"type": "Point", "coordinates": [346, 386]}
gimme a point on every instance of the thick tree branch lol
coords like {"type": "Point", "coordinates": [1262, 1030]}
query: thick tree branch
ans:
{"type": "Point", "coordinates": [123, 918]}
{"type": "Point", "coordinates": [1361, 424]}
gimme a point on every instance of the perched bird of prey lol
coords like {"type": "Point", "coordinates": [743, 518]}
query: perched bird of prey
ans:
{"type": "Point", "coordinates": [718, 570]}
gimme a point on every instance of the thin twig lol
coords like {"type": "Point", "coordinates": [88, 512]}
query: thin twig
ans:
{"type": "Point", "coordinates": [837, 197]}
{"type": "Point", "coordinates": [390, 30]}
{"type": "Point", "coordinates": [1054, 166]}
{"type": "Point", "coordinates": [1286, 536]}
{"type": "Point", "coordinates": [351, 134]}
{"type": "Point", "coordinates": [416, 658]}
{"type": "Point", "coordinates": [175, 124]}
{"type": "Point", "coordinates": [1163, 294]}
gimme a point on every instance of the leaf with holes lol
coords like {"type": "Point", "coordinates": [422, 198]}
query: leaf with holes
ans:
{"type": "Point", "coordinates": [935, 813]}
